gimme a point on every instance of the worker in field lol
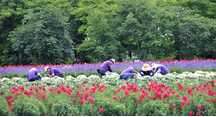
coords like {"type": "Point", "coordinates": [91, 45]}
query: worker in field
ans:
{"type": "Point", "coordinates": [106, 66]}
{"type": "Point", "coordinates": [146, 70]}
{"type": "Point", "coordinates": [54, 72]}
{"type": "Point", "coordinates": [32, 75]}
{"type": "Point", "coordinates": [128, 73]}
{"type": "Point", "coordinates": [159, 69]}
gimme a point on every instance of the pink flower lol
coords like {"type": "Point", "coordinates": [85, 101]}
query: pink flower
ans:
{"type": "Point", "coordinates": [101, 110]}
{"type": "Point", "coordinates": [188, 102]}
{"type": "Point", "coordinates": [9, 97]}
{"type": "Point", "coordinates": [138, 101]}
{"type": "Point", "coordinates": [0, 93]}
{"type": "Point", "coordinates": [199, 107]}
{"type": "Point", "coordinates": [127, 83]}
{"type": "Point", "coordinates": [115, 98]}
{"type": "Point", "coordinates": [11, 109]}
{"type": "Point", "coordinates": [182, 103]}
{"type": "Point", "coordinates": [215, 100]}
{"type": "Point", "coordinates": [105, 87]}
{"type": "Point", "coordinates": [208, 100]}
{"type": "Point", "coordinates": [82, 83]}
{"type": "Point", "coordinates": [32, 84]}
{"type": "Point", "coordinates": [184, 98]}
{"type": "Point", "coordinates": [68, 86]}
{"type": "Point", "coordinates": [53, 105]}
{"type": "Point", "coordinates": [173, 106]}
{"type": "Point", "coordinates": [124, 104]}
{"type": "Point", "coordinates": [177, 95]}
{"type": "Point", "coordinates": [198, 114]}
{"type": "Point", "coordinates": [38, 98]}
{"type": "Point", "coordinates": [74, 101]}
{"type": "Point", "coordinates": [93, 84]}
{"type": "Point", "coordinates": [190, 114]}
{"type": "Point", "coordinates": [43, 96]}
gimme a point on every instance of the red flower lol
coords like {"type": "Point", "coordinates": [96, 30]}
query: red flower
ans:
{"type": "Point", "coordinates": [149, 97]}
{"type": "Point", "coordinates": [53, 105]}
{"type": "Point", "coordinates": [93, 84]}
{"type": "Point", "coordinates": [184, 98]}
{"type": "Point", "coordinates": [32, 84]}
{"type": "Point", "coordinates": [101, 110]}
{"type": "Point", "coordinates": [9, 97]}
{"type": "Point", "coordinates": [188, 102]}
{"type": "Point", "coordinates": [127, 83]}
{"type": "Point", "coordinates": [68, 86]}
{"type": "Point", "coordinates": [208, 100]}
{"type": "Point", "coordinates": [38, 98]}
{"type": "Point", "coordinates": [115, 98]}
{"type": "Point", "coordinates": [177, 95]}
{"type": "Point", "coordinates": [82, 83]}
{"type": "Point", "coordinates": [0, 93]}
{"type": "Point", "coordinates": [138, 101]}
{"type": "Point", "coordinates": [43, 96]}
{"type": "Point", "coordinates": [44, 88]}
{"type": "Point", "coordinates": [124, 104]}
{"type": "Point", "coordinates": [190, 114]}
{"type": "Point", "coordinates": [173, 106]}
{"type": "Point", "coordinates": [215, 100]}
{"type": "Point", "coordinates": [11, 109]}
{"type": "Point", "coordinates": [105, 87]}
{"type": "Point", "coordinates": [74, 101]}
{"type": "Point", "coordinates": [182, 103]}
{"type": "Point", "coordinates": [198, 114]}
{"type": "Point", "coordinates": [200, 107]}
{"type": "Point", "coordinates": [58, 91]}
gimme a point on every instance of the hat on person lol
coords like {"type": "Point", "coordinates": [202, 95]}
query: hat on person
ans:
{"type": "Point", "coordinates": [32, 69]}
{"type": "Point", "coordinates": [113, 60]}
{"type": "Point", "coordinates": [46, 68]}
{"type": "Point", "coordinates": [130, 67]}
{"type": "Point", "coordinates": [146, 67]}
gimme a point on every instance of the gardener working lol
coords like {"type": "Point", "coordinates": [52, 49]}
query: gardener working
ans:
{"type": "Point", "coordinates": [128, 73]}
{"type": "Point", "coordinates": [32, 75]}
{"type": "Point", "coordinates": [106, 66]}
{"type": "Point", "coordinates": [160, 69]}
{"type": "Point", "coordinates": [54, 72]}
{"type": "Point", "coordinates": [146, 70]}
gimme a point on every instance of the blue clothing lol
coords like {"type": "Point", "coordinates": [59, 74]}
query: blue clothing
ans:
{"type": "Point", "coordinates": [127, 71]}
{"type": "Point", "coordinates": [35, 78]}
{"type": "Point", "coordinates": [101, 72]}
{"type": "Point", "coordinates": [127, 76]}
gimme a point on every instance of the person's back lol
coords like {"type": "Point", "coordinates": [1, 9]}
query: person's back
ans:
{"type": "Point", "coordinates": [55, 71]}
{"type": "Point", "coordinates": [32, 75]}
{"type": "Point", "coordinates": [105, 66]}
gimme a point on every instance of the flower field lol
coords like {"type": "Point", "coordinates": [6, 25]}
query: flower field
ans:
{"type": "Point", "coordinates": [189, 89]}
{"type": "Point", "coordinates": [174, 94]}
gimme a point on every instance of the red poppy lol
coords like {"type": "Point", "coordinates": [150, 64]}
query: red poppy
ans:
{"type": "Point", "coordinates": [198, 114]}
{"type": "Point", "coordinates": [184, 98]}
{"type": "Point", "coordinates": [53, 105]}
{"type": "Point", "coordinates": [182, 103]}
{"type": "Point", "coordinates": [173, 106]}
{"type": "Point", "coordinates": [177, 95]}
{"type": "Point", "coordinates": [11, 109]}
{"type": "Point", "coordinates": [101, 110]}
{"type": "Point", "coordinates": [74, 101]}
{"type": "Point", "coordinates": [200, 107]}
{"type": "Point", "coordinates": [93, 84]}
{"type": "Point", "coordinates": [190, 114]}
{"type": "Point", "coordinates": [115, 98]}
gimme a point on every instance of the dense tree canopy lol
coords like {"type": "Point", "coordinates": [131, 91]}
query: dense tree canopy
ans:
{"type": "Point", "coordinates": [61, 31]}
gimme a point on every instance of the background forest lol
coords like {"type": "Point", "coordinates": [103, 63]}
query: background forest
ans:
{"type": "Point", "coordinates": [62, 31]}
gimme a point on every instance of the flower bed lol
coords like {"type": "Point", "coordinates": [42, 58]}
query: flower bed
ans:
{"type": "Point", "coordinates": [173, 94]}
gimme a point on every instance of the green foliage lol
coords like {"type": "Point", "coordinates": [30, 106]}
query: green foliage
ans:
{"type": "Point", "coordinates": [3, 107]}
{"type": "Point", "coordinates": [43, 35]}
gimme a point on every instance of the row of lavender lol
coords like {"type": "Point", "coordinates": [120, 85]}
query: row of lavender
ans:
{"type": "Point", "coordinates": [184, 64]}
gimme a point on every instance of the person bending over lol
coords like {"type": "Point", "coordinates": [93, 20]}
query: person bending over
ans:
{"type": "Point", "coordinates": [146, 70]}
{"type": "Point", "coordinates": [54, 72]}
{"type": "Point", "coordinates": [106, 66]}
{"type": "Point", "coordinates": [160, 69]}
{"type": "Point", "coordinates": [32, 75]}
{"type": "Point", "coordinates": [128, 73]}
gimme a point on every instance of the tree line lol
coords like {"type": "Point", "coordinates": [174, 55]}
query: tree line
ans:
{"type": "Point", "coordinates": [62, 31]}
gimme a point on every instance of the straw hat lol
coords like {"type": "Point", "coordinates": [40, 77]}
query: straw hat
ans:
{"type": "Point", "coordinates": [146, 67]}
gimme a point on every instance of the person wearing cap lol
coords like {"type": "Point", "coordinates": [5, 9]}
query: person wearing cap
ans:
{"type": "Point", "coordinates": [146, 70]}
{"type": "Point", "coordinates": [32, 75]}
{"type": "Point", "coordinates": [54, 72]}
{"type": "Point", "coordinates": [106, 66]}
{"type": "Point", "coordinates": [128, 73]}
{"type": "Point", "coordinates": [160, 69]}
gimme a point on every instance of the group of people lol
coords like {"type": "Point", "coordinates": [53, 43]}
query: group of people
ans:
{"type": "Point", "coordinates": [33, 74]}
{"type": "Point", "coordinates": [130, 72]}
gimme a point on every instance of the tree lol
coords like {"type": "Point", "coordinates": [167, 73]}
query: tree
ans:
{"type": "Point", "coordinates": [43, 37]}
